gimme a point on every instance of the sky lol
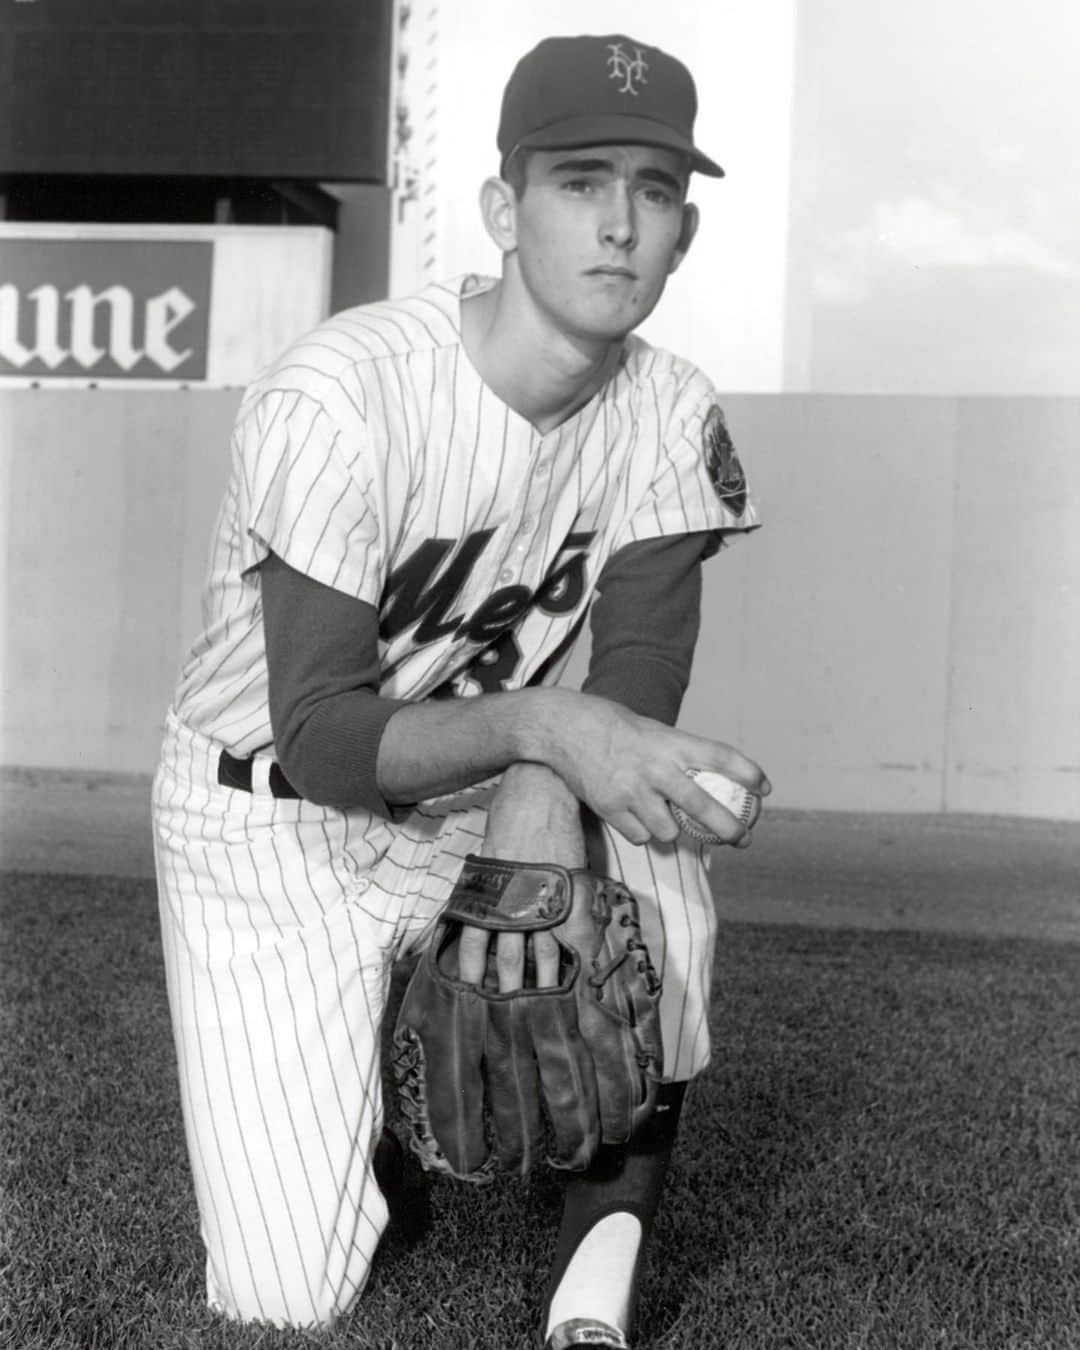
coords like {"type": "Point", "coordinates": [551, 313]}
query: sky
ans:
{"type": "Point", "coordinates": [902, 208]}
{"type": "Point", "coordinates": [935, 234]}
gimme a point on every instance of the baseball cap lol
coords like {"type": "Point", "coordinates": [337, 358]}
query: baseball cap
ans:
{"type": "Point", "coordinates": [591, 90]}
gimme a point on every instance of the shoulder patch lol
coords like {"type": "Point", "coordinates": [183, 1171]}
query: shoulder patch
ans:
{"type": "Point", "coordinates": [722, 462]}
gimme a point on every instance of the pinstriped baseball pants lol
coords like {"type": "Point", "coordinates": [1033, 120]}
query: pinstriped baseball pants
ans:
{"type": "Point", "coordinates": [281, 921]}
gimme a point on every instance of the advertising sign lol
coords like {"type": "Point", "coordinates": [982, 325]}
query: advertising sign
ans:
{"type": "Point", "coordinates": [118, 305]}
{"type": "Point", "coordinates": [105, 308]}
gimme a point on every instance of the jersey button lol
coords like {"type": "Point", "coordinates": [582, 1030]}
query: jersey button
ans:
{"type": "Point", "coordinates": [542, 468]}
{"type": "Point", "coordinates": [506, 575]}
{"type": "Point", "coordinates": [527, 523]}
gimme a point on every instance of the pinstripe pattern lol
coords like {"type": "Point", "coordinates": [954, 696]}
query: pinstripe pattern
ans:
{"type": "Point", "coordinates": [372, 439]}
{"type": "Point", "coordinates": [281, 921]}
{"type": "Point", "coordinates": [277, 963]}
{"type": "Point", "coordinates": [375, 434]}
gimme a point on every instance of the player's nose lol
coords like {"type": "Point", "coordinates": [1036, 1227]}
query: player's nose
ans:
{"type": "Point", "coordinates": [618, 223]}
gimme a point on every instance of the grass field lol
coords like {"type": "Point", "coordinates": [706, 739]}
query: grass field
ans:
{"type": "Point", "coordinates": [902, 1171]}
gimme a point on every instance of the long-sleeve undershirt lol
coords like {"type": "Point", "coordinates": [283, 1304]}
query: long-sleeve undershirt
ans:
{"type": "Point", "coordinates": [322, 655]}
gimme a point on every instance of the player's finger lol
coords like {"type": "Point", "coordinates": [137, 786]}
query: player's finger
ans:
{"type": "Point", "coordinates": [655, 816]}
{"type": "Point", "coordinates": [727, 760]}
{"type": "Point", "coordinates": [546, 956]}
{"type": "Point", "coordinates": [510, 961]}
{"type": "Point", "coordinates": [628, 825]}
{"type": "Point", "coordinates": [472, 954]}
{"type": "Point", "coordinates": [708, 812]}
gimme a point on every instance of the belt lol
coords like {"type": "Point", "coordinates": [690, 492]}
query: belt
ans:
{"type": "Point", "coordinates": [236, 773]}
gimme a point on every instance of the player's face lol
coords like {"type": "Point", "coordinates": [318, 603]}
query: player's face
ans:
{"type": "Point", "coordinates": [597, 232]}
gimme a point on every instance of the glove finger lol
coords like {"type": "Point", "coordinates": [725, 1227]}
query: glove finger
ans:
{"type": "Point", "coordinates": [567, 1078]}
{"type": "Point", "coordinates": [438, 1048]}
{"type": "Point", "coordinates": [618, 1010]}
{"type": "Point", "coordinates": [517, 1124]}
{"type": "Point", "coordinates": [628, 1066]}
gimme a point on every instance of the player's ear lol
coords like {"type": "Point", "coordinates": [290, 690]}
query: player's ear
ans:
{"type": "Point", "coordinates": [498, 209]}
{"type": "Point", "coordinates": [691, 218]}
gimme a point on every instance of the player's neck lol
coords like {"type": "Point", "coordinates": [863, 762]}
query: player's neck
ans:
{"type": "Point", "coordinates": [542, 375]}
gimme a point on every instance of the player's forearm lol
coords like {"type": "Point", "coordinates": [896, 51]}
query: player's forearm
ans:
{"type": "Point", "coordinates": [427, 749]}
{"type": "Point", "coordinates": [341, 743]}
{"type": "Point", "coordinates": [534, 817]}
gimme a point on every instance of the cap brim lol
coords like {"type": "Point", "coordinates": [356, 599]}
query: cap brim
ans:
{"type": "Point", "coordinates": [616, 129]}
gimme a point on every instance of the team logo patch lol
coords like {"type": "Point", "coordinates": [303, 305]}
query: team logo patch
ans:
{"type": "Point", "coordinates": [631, 70]}
{"type": "Point", "coordinates": [722, 463]}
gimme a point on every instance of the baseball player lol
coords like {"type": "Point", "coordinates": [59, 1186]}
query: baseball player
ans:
{"type": "Point", "coordinates": [428, 499]}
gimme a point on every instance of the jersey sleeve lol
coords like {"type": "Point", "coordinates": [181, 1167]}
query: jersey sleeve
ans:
{"type": "Point", "coordinates": [322, 657]}
{"type": "Point", "coordinates": [309, 492]}
{"type": "Point", "coordinates": [645, 622]}
{"type": "Point", "coordinates": [697, 480]}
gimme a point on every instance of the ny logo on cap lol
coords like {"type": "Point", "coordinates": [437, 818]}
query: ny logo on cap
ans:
{"type": "Point", "coordinates": [622, 68]}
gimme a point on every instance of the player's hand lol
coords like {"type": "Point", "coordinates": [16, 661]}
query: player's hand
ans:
{"type": "Point", "coordinates": [533, 818]}
{"type": "Point", "coordinates": [627, 768]}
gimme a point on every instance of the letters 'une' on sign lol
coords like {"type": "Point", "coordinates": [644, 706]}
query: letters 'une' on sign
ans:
{"type": "Point", "coordinates": [104, 308]}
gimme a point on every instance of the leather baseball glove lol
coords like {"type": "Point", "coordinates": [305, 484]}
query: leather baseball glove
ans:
{"type": "Point", "coordinates": [488, 1079]}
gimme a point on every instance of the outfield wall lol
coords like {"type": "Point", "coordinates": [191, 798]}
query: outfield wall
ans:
{"type": "Point", "coordinates": [901, 634]}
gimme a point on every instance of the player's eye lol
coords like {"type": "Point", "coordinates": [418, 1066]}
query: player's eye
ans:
{"type": "Point", "coordinates": [578, 186]}
{"type": "Point", "coordinates": [658, 196]}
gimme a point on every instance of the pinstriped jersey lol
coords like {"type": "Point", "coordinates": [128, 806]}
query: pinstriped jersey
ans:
{"type": "Point", "coordinates": [372, 457]}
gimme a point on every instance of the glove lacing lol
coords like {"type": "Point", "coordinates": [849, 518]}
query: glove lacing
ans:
{"type": "Point", "coordinates": [412, 1098]}
{"type": "Point", "coordinates": [610, 896]}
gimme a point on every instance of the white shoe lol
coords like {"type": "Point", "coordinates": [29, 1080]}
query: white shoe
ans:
{"type": "Point", "coordinates": [586, 1331]}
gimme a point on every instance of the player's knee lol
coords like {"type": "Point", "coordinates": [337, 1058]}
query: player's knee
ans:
{"type": "Point", "coordinates": [289, 1294]}
{"type": "Point", "coordinates": [329, 1307]}
{"type": "Point", "coordinates": [298, 1308]}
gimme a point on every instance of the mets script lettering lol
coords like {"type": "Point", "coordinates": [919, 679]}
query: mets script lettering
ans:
{"type": "Point", "coordinates": [419, 594]}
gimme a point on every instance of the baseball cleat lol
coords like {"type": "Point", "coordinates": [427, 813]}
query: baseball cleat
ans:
{"type": "Point", "coordinates": [406, 1193]}
{"type": "Point", "coordinates": [586, 1331]}
{"type": "Point", "coordinates": [388, 1164]}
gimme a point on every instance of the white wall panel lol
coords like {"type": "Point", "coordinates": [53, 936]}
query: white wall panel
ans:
{"type": "Point", "coordinates": [1014, 725]}
{"type": "Point", "coordinates": [900, 635]}
{"type": "Point", "coordinates": [107, 506]}
{"type": "Point", "coordinates": [839, 631]}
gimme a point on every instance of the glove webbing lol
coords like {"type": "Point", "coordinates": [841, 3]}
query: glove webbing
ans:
{"type": "Point", "coordinates": [609, 895]}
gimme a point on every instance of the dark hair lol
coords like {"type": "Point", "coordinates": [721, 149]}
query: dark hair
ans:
{"type": "Point", "coordinates": [516, 169]}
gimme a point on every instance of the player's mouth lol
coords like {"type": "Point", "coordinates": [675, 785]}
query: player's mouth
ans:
{"type": "Point", "coordinates": [612, 270]}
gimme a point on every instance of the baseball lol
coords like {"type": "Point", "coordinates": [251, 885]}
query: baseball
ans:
{"type": "Point", "coordinates": [743, 804]}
